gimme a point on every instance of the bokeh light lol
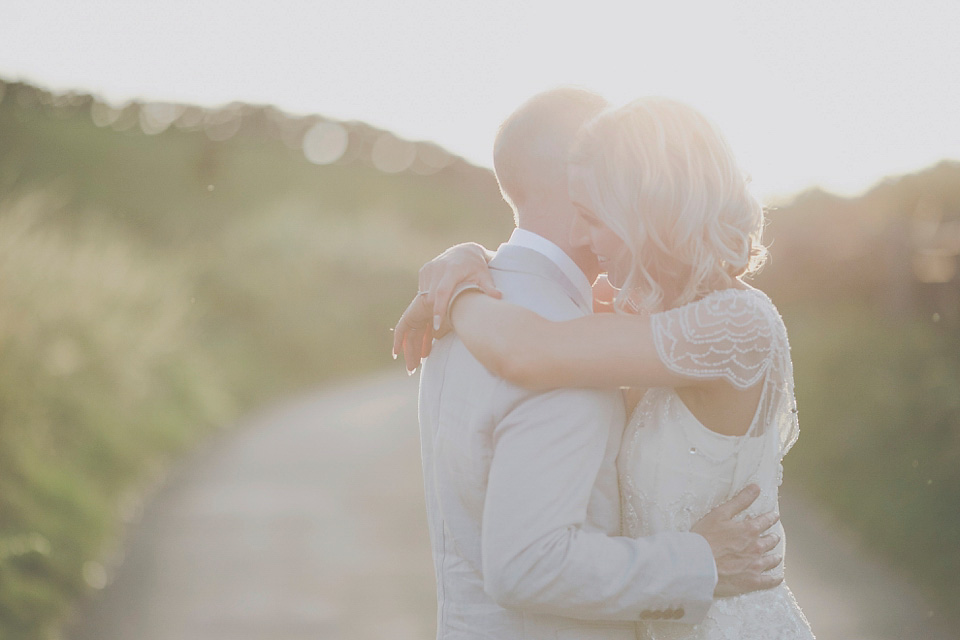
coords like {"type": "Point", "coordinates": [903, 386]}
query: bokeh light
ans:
{"type": "Point", "coordinates": [430, 159]}
{"type": "Point", "coordinates": [222, 124]}
{"type": "Point", "coordinates": [325, 142]}
{"type": "Point", "coordinates": [127, 118]}
{"type": "Point", "coordinates": [158, 116]}
{"type": "Point", "coordinates": [103, 114]}
{"type": "Point", "coordinates": [191, 119]}
{"type": "Point", "coordinates": [390, 154]}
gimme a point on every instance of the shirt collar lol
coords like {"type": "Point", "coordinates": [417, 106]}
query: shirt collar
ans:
{"type": "Point", "coordinates": [556, 255]}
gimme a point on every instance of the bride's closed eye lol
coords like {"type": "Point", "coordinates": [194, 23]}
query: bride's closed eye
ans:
{"type": "Point", "coordinates": [588, 216]}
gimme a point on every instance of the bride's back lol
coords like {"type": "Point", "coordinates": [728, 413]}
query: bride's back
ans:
{"type": "Point", "coordinates": [674, 470]}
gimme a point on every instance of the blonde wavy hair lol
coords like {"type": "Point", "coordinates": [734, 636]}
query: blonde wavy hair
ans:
{"type": "Point", "coordinates": [663, 178]}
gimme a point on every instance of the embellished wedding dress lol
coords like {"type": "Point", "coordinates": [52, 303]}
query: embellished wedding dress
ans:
{"type": "Point", "coordinates": [673, 470]}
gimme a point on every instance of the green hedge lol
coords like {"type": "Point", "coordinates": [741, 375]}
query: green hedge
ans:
{"type": "Point", "coordinates": [880, 436]}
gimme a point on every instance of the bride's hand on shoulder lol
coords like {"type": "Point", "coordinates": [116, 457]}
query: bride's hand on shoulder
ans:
{"type": "Point", "coordinates": [426, 316]}
{"type": "Point", "coordinates": [461, 264]}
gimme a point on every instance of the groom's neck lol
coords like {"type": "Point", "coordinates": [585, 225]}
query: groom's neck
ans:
{"type": "Point", "coordinates": [544, 219]}
{"type": "Point", "coordinates": [552, 219]}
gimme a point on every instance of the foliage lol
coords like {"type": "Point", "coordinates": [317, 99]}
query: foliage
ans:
{"type": "Point", "coordinates": [870, 294]}
{"type": "Point", "coordinates": [99, 382]}
{"type": "Point", "coordinates": [880, 436]}
{"type": "Point", "coordinates": [156, 287]}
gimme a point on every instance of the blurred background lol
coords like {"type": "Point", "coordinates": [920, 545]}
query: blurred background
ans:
{"type": "Point", "coordinates": [185, 242]}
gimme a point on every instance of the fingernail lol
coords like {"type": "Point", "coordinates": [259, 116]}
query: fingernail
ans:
{"type": "Point", "coordinates": [436, 323]}
{"type": "Point", "coordinates": [411, 372]}
{"type": "Point", "coordinates": [394, 355]}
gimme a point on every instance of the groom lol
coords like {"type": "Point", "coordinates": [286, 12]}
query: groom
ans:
{"type": "Point", "coordinates": [521, 487]}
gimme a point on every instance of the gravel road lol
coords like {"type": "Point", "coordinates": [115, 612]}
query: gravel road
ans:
{"type": "Point", "coordinates": [307, 521]}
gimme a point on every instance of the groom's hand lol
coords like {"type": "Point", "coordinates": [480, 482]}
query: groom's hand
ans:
{"type": "Point", "coordinates": [741, 548]}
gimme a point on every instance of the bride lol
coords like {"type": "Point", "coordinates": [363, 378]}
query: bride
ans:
{"type": "Point", "coordinates": [664, 206]}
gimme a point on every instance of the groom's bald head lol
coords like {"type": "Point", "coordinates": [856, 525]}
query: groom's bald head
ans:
{"type": "Point", "coordinates": [532, 145]}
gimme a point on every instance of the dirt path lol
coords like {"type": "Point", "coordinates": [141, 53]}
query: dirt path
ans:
{"type": "Point", "coordinates": [308, 522]}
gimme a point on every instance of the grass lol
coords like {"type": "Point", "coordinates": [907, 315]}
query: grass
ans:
{"type": "Point", "coordinates": [96, 386]}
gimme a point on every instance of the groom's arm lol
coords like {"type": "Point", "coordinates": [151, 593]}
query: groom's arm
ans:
{"type": "Point", "coordinates": [537, 551]}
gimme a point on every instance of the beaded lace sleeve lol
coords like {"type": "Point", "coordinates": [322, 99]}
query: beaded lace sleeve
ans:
{"type": "Point", "coordinates": [725, 335]}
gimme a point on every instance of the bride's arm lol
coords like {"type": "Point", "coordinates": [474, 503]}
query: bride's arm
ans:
{"type": "Point", "coordinates": [598, 351]}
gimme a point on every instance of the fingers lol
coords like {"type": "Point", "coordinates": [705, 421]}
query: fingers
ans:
{"type": "Point", "coordinates": [437, 281]}
{"type": "Point", "coordinates": [767, 543]}
{"type": "Point", "coordinates": [761, 583]}
{"type": "Point", "coordinates": [426, 275]}
{"type": "Point", "coordinates": [414, 317]}
{"type": "Point", "coordinates": [400, 333]}
{"type": "Point", "coordinates": [426, 344]}
{"type": "Point", "coordinates": [442, 290]}
{"type": "Point", "coordinates": [441, 298]}
{"type": "Point", "coordinates": [763, 522]}
{"type": "Point", "coordinates": [739, 502]}
{"type": "Point", "coordinates": [770, 562]}
{"type": "Point", "coordinates": [398, 337]}
{"type": "Point", "coordinates": [485, 282]}
{"type": "Point", "coordinates": [411, 350]}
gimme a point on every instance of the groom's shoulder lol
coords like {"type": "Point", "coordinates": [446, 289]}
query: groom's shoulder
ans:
{"type": "Point", "coordinates": [539, 294]}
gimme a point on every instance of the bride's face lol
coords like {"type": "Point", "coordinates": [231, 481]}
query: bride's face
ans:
{"type": "Point", "coordinates": [587, 228]}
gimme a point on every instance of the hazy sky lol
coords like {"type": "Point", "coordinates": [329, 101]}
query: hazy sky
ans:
{"type": "Point", "coordinates": [831, 92]}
